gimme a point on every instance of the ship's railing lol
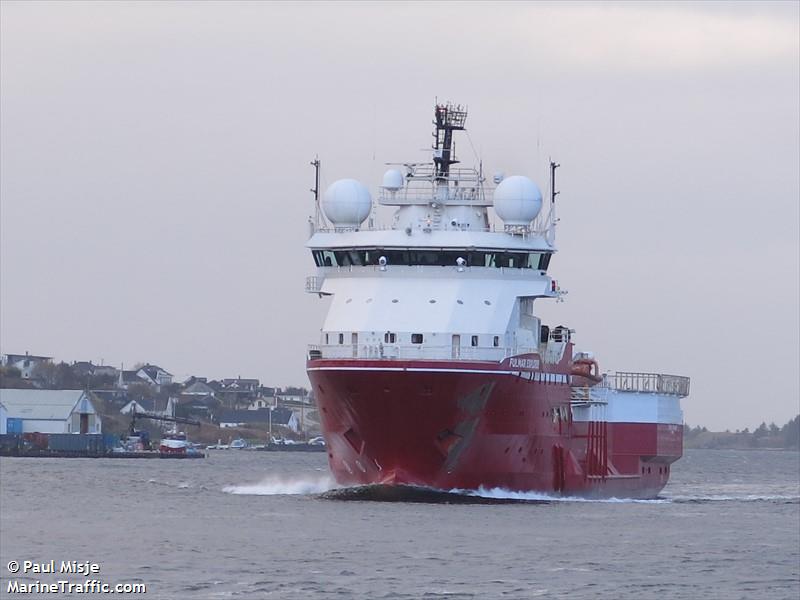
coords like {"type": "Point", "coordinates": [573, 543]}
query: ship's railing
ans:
{"type": "Point", "coordinates": [459, 196]}
{"type": "Point", "coordinates": [660, 383]}
{"type": "Point", "coordinates": [584, 395]}
{"type": "Point", "coordinates": [538, 228]}
{"type": "Point", "coordinates": [409, 352]}
{"type": "Point", "coordinates": [417, 173]}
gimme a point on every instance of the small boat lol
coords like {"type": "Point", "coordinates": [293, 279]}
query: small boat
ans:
{"type": "Point", "coordinates": [176, 445]}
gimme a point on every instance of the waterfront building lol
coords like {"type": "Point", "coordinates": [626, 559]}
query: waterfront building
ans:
{"type": "Point", "coordinates": [48, 411]}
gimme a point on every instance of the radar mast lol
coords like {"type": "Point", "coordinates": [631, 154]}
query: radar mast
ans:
{"type": "Point", "coordinates": [449, 117]}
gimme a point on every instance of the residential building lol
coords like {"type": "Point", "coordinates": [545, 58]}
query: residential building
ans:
{"type": "Point", "coordinates": [259, 418]}
{"type": "Point", "coordinates": [150, 405]}
{"type": "Point", "coordinates": [24, 362]}
{"type": "Point", "coordinates": [127, 378]}
{"type": "Point", "coordinates": [155, 375]}
{"type": "Point", "coordinates": [198, 406]}
{"type": "Point", "coordinates": [84, 368]}
{"type": "Point", "coordinates": [198, 388]}
{"type": "Point", "coordinates": [150, 374]}
{"type": "Point", "coordinates": [261, 403]}
{"type": "Point", "coordinates": [236, 393]}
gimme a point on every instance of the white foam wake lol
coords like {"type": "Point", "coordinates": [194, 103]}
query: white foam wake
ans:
{"type": "Point", "coordinates": [504, 494]}
{"type": "Point", "coordinates": [277, 486]}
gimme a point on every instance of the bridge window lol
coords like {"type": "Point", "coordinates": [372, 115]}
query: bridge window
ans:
{"type": "Point", "coordinates": [474, 340]}
{"type": "Point", "coordinates": [416, 338]}
{"type": "Point", "coordinates": [389, 337]}
{"type": "Point", "coordinates": [496, 341]}
{"type": "Point", "coordinates": [432, 257]}
{"type": "Point", "coordinates": [544, 261]}
{"type": "Point", "coordinates": [341, 338]}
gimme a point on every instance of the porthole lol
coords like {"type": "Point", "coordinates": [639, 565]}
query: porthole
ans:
{"type": "Point", "coordinates": [348, 301]}
{"type": "Point", "coordinates": [487, 303]}
{"type": "Point", "coordinates": [432, 301]}
{"type": "Point", "coordinates": [460, 301]}
{"type": "Point", "coordinates": [369, 300]}
{"type": "Point", "coordinates": [395, 301]}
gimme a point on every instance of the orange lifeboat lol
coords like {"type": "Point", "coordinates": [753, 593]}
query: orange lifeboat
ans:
{"type": "Point", "coordinates": [587, 368]}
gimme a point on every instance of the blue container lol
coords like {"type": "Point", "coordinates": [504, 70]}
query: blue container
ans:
{"type": "Point", "coordinates": [75, 443]}
{"type": "Point", "coordinates": [14, 425]}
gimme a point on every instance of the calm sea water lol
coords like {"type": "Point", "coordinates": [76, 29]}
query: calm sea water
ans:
{"type": "Point", "coordinates": [265, 525]}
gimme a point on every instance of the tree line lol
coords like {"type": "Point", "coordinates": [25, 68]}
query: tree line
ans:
{"type": "Point", "coordinates": [764, 436]}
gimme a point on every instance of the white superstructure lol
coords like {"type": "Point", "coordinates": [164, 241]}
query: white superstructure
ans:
{"type": "Point", "coordinates": [439, 282]}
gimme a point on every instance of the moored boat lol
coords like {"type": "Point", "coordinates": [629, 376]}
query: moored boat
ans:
{"type": "Point", "coordinates": [177, 445]}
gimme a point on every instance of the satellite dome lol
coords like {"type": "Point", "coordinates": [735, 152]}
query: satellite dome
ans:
{"type": "Point", "coordinates": [346, 203]}
{"type": "Point", "coordinates": [393, 180]}
{"type": "Point", "coordinates": [517, 200]}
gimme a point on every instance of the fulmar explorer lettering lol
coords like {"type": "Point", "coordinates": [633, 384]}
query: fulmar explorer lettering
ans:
{"type": "Point", "coordinates": [524, 363]}
{"type": "Point", "coordinates": [432, 366]}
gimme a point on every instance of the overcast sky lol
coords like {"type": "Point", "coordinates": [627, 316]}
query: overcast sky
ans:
{"type": "Point", "coordinates": [154, 174]}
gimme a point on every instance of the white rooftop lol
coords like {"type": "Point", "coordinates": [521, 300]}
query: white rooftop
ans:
{"type": "Point", "coordinates": [44, 404]}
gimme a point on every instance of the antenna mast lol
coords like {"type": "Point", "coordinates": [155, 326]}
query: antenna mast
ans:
{"type": "Point", "coordinates": [315, 190]}
{"type": "Point", "coordinates": [553, 192]}
{"type": "Point", "coordinates": [449, 117]}
{"type": "Point", "coordinates": [551, 233]}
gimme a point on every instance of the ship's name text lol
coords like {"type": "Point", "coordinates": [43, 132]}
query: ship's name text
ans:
{"type": "Point", "coordinates": [524, 363]}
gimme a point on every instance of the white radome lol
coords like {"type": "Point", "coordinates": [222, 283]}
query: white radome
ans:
{"type": "Point", "coordinates": [346, 203]}
{"type": "Point", "coordinates": [393, 180]}
{"type": "Point", "coordinates": [517, 200]}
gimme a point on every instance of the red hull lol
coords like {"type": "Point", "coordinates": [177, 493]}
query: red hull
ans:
{"type": "Point", "coordinates": [457, 425]}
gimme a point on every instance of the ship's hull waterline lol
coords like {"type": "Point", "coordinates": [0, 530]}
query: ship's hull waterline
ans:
{"type": "Point", "coordinates": [468, 425]}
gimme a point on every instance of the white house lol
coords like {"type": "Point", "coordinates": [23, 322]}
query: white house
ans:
{"type": "Point", "coordinates": [261, 403]}
{"type": "Point", "coordinates": [198, 388]}
{"type": "Point", "coordinates": [150, 406]}
{"type": "Point", "coordinates": [24, 362]}
{"type": "Point", "coordinates": [259, 418]}
{"type": "Point", "coordinates": [48, 411]}
{"type": "Point", "coordinates": [155, 375]}
{"type": "Point", "coordinates": [149, 374]}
